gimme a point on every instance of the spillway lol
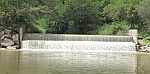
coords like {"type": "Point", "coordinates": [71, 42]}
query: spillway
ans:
{"type": "Point", "coordinates": [78, 42]}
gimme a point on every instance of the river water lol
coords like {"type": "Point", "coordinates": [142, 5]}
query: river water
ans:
{"type": "Point", "coordinates": [75, 62]}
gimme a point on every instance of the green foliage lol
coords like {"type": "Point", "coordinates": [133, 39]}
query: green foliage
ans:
{"type": "Point", "coordinates": [41, 24]}
{"type": "Point", "coordinates": [113, 28]}
{"type": "Point", "coordinates": [146, 41]}
{"type": "Point", "coordinates": [116, 8]}
{"type": "Point", "coordinates": [144, 12]}
{"type": "Point", "coordinates": [77, 17]}
{"type": "Point", "coordinates": [124, 10]}
{"type": "Point", "coordinates": [25, 12]}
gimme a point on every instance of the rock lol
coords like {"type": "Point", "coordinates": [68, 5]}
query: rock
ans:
{"type": "Point", "coordinates": [140, 37]}
{"type": "Point", "coordinates": [7, 42]}
{"type": "Point", "coordinates": [2, 48]}
{"type": "Point", "coordinates": [11, 47]}
{"type": "Point", "coordinates": [7, 31]}
{"type": "Point", "coordinates": [145, 49]}
{"type": "Point", "coordinates": [141, 42]}
{"type": "Point", "coordinates": [8, 39]}
{"type": "Point", "coordinates": [17, 46]}
{"type": "Point", "coordinates": [15, 37]}
{"type": "Point", "coordinates": [1, 33]}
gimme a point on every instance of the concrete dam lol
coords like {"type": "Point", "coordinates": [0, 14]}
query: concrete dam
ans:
{"type": "Point", "coordinates": [64, 42]}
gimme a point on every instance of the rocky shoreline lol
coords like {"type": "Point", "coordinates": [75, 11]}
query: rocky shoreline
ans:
{"type": "Point", "coordinates": [9, 40]}
{"type": "Point", "coordinates": [142, 47]}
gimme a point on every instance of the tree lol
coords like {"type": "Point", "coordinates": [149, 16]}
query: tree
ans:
{"type": "Point", "coordinates": [77, 16]}
{"type": "Point", "coordinates": [144, 12]}
{"type": "Point", "coordinates": [123, 10]}
{"type": "Point", "coordinates": [26, 12]}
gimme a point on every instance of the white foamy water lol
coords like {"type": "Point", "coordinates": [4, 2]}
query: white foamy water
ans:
{"type": "Point", "coordinates": [78, 45]}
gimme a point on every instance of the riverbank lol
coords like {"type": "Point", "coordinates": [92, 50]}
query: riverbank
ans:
{"type": "Point", "coordinates": [9, 40]}
{"type": "Point", "coordinates": [143, 44]}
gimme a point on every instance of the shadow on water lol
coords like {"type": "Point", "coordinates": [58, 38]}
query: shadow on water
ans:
{"type": "Point", "coordinates": [48, 62]}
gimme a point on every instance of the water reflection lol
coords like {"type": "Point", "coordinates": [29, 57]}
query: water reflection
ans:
{"type": "Point", "coordinates": [9, 62]}
{"type": "Point", "coordinates": [143, 61]}
{"type": "Point", "coordinates": [48, 62]}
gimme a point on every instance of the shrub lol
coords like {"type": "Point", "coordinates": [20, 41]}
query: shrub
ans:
{"type": "Point", "coordinates": [113, 28]}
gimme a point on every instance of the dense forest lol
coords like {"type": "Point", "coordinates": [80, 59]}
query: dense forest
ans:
{"type": "Point", "coordinates": [76, 16]}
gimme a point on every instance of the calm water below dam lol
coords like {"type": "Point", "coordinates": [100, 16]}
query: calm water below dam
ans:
{"type": "Point", "coordinates": [51, 62]}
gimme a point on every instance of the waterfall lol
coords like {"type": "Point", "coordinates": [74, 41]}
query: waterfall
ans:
{"type": "Point", "coordinates": [78, 42]}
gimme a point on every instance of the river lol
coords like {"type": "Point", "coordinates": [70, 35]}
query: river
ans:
{"type": "Point", "coordinates": [77, 62]}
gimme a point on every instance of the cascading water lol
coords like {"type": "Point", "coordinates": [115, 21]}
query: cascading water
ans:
{"type": "Point", "coordinates": [63, 37]}
{"type": "Point", "coordinates": [78, 42]}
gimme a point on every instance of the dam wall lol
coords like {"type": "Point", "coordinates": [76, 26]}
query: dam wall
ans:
{"type": "Point", "coordinates": [64, 42]}
{"type": "Point", "coordinates": [67, 37]}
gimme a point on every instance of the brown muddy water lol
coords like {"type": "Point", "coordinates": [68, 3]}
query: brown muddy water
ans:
{"type": "Point", "coordinates": [51, 62]}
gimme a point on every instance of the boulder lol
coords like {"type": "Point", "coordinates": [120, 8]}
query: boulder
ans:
{"type": "Point", "coordinates": [8, 39]}
{"type": "Point", "coordinates": [145, 49]}
{"type": "Point", "coordinates": [15, 38]}
{"type": "Point", "coordinates": [7, 42]}
{"type": "Point", "coordinates": [11, 47]}
{"type": "Point", "coordinates": [141, 42]}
